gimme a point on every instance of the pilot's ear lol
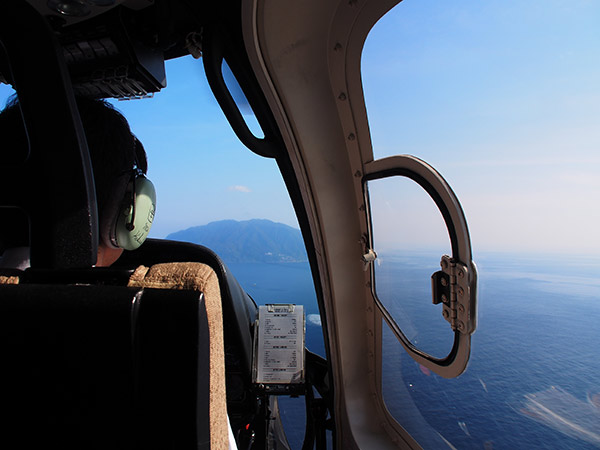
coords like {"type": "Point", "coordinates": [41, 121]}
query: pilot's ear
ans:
{"type": "Point", "coordinates": [107, 255]}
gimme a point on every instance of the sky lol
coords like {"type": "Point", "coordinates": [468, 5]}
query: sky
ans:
{"type": "Point", "coordinates": [201, 171]}
{"type": "Point", "coordinates": [502, 97]}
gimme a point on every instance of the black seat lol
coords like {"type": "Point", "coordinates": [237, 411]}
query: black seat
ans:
{"type": "Point", "coordinates": [97, 367]}
{"type": "Point", "coordinates": [239, 314]}
{"type": "Point", "coordinates": [239, 310]}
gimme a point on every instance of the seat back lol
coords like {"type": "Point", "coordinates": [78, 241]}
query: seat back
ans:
{"type": "Point", "coordinates": [96, 367]}
{"type": "Point", "coordinates": [239, 315]}
{"type": "Point", "coordinates": [239, 310]}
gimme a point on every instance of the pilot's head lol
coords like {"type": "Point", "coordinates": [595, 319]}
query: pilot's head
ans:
{"type": "Point", "coordinates": [119, 164]}
{"type": "Point", "coordinates": [125, 198]}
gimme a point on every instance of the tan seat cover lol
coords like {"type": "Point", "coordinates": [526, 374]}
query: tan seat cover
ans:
{"type": "Point", "coordinates": [200, 277]}
{"type": "Point", "coordinates": [9, 279]}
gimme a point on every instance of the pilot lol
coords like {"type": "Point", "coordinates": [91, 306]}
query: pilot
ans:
{"type": "Point", "coordinates": [125, 198]}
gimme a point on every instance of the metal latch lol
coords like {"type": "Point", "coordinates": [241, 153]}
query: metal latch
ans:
{"type": "Point", "coordinates": [450, 286]}
{"type": "Point", "coordinates": [369, 254]}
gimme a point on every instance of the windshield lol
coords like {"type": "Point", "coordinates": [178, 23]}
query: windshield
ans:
{"type": "Point", "coordinates": [502, 99]}
{"type": "Point", "coordinates": [213, 191]}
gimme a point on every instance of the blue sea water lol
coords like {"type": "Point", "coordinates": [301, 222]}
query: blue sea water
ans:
{"type": "Point", "coordinates": [533, 380]}
{"type": "Point", "coordinates": [534, 370]}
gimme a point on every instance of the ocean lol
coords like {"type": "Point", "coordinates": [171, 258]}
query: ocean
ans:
{"type": "Point", "coordinates": [533, 380]}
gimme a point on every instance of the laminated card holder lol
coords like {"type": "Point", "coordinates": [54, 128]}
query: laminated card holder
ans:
{"type": "Point", "coordinates": [278, 360]}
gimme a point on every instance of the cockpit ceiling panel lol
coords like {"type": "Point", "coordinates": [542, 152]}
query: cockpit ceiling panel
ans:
{"type": "Point", "coordinates": [69, 12]}
{"type": "Point", "coordinates": [117, 48]}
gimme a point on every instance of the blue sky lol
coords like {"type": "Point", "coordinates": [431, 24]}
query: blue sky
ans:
{"type": "Point", "coordinates": [502, 97]}
{"type": "Point", "coordinates": [201, 171]}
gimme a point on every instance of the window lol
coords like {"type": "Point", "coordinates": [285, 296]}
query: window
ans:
{"type": "Point", "coordinates": [400, 209]}
{"type": "Point", "coordinates": [501, 98]}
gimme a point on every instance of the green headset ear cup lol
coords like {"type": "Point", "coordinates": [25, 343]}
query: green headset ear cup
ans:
{"type": "Point", "coordinates": [128, 237]}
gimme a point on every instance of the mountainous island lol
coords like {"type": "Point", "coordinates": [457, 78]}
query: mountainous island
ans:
{"type": "Point", "coordinates": [256, 240]}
